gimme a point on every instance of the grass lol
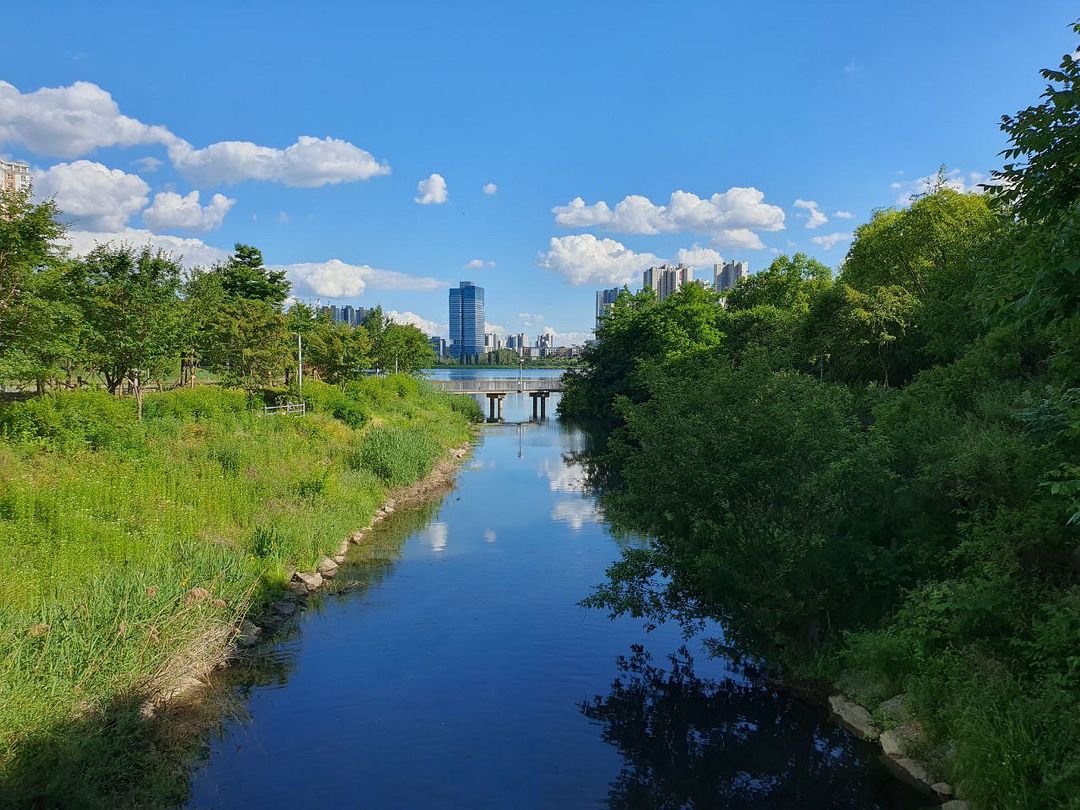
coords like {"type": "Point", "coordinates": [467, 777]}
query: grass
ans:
{"type": "Point", "coordinates": [107, 526]}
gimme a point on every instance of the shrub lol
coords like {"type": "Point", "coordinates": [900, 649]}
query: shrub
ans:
{"type": "Point", "coordinates": [74, 420]}
{"type": "Point", "coordinates": [397, 456]}
{"type": "Point", "coordinates": [203, 404]}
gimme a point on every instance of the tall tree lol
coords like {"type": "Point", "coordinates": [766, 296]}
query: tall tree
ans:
{"type": "Point", "coordinates": [39, 327]}
{"type": "Point", "coordinates": [243, 275]}
{"type": "Point", "coordinates": [129, 301]}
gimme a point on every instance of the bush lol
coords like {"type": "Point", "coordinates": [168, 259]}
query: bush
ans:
{"type": "Point", "coordinates": [203, 404]}
{"type": "Point", "coordinates": [74, 420]}
{"type": "Point", "coordinates": [398, 457]}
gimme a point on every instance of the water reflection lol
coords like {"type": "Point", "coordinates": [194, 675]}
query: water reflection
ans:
{"type": "Point", "coordinates": [576, 513]}
{"type": "Point", "coordinates": [688, 741]}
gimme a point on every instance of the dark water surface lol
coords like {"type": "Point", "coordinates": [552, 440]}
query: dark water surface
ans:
{"type": "Point", "coordinates": [456, 670]}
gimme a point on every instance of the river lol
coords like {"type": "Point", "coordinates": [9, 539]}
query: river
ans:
{"type": "Point", "coordinates": [455, 669]}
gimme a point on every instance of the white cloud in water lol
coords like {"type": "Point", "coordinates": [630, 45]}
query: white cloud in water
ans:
{"type": "Point", "coordinates": [828, 241]}
{"type": "Point", "coordinates": [91, 194]}
{"type": "Point", "coordinates": [815, 216]}
{"type": "Point", "coordinates": [432, 191]}
{"type": "Point", "coordinates": [731, 218]}
{"type": "Point", "coordinates": [170, 210]}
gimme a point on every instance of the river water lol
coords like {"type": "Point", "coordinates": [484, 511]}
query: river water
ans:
{"type": "Point", "coordinates": [456, 670]}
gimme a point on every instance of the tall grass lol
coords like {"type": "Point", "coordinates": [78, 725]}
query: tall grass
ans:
{"type": "Point", "coordinates": [107, 526]}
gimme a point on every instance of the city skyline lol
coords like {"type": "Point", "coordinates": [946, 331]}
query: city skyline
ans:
{"type": "Point", "coordinates": [363, 199]}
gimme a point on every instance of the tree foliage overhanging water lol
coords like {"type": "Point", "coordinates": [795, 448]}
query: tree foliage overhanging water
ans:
{"type": "Point", "coordinates": [874, 477]}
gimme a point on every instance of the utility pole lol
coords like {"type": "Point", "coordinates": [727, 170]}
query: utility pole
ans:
{"type": "Point", "coordinates": [299, 362]}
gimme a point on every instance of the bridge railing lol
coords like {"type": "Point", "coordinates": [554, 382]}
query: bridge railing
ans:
{"type": "Point", "coordinates": [499, 385]}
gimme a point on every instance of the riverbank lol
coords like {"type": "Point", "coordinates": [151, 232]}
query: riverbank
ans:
{"type": "Point", "coordinates": [133, 551]}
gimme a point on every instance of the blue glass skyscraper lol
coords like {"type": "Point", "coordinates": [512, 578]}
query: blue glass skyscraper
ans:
{"type": "Point", "coordinates": [466, 320]}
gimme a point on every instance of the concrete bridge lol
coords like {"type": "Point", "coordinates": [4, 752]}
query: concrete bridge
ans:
{"type": "Point", "coordinates": [496, 389]}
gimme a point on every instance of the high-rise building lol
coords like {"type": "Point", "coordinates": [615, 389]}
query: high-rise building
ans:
{"type": "Point", "coordinates": [14, 176]}
{"type": "Point", "coordinates": [466, 320]}
{"type": "Point", "coordinates": [348, 315]}
{"type": "Point", "coordinates": [728, 274]}
{"type": "Point", "coordinates": [438, 345]}
{"type": "Point", "coordinates": [492, 342]}
{"type": "Point", "coordinates": [666, 279]}
{"type": "Point", "coordinates": [605, 300]}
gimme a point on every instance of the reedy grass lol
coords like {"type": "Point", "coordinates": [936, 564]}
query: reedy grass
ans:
{"type": "Point", "coordinates": [107, 525]}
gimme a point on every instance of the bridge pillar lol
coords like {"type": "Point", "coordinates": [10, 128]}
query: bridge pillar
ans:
{"type": "Point", "coordinates": [495, 406]}
{"type": "Point", "coordinates": [541, 398]}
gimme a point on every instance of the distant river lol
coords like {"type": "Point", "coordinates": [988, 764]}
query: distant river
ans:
{"type": "Point", "coordinates": [457, 671]}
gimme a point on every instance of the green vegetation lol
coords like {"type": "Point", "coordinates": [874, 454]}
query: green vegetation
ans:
{"type": "Point", "coordinates": [874, 479]}
{"type": "Point", "coordinates": [108, 523]}
{"type": "Point", "coordinates": [136, 530]}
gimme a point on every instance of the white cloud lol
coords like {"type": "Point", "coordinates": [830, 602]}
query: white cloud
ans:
{"type": "Point", "coordinates": [282, 218]}
{"type": "Point", "coordinates": [956, 180]}
{"type": "Point", "coordinates": [817, 217]}
{"type": "Point", "coordinates": [478, 264]}
{"type": "Point", "coordinates": [190, 252]}
{"type": "Point", "coordinates": [337, 279]}
{"type": "Point", "coordinates": [730, 218]}
{"type": "Point", "coordinates": [95, 196]}
{"type": "Point", "coordinates": [531, 319]}
{"type": "Point", "coordinates": [698, 256]}
{"type": "Point", "coordinates": [148, 164]}
{"type": "Point", "coordinates": [584, 259]}
{"type": "Point", "coordinates": [70, 121]}
{"type": "Point", "coordinates": [843, 214]}
{"type": "Point", "coordinates": [308, 163]}
{"type": "Point", "coordinates": [497, 328]}
{"type": "Point", "coordinates": [170, 210]}
{"type": "Point", "coordinates": [490, 188]}
{"type": "Point", "coordinates": [426, 326]}
{"type": "Point", "coordinates": [566, 338]}
{"type": "Point", "coordinates": [827, 241]}
{"type": "Point", "coordinates": [432, 190]}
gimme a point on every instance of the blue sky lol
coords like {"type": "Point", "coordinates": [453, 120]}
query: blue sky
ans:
{"type": "Point", "coordinates": [843, 105]}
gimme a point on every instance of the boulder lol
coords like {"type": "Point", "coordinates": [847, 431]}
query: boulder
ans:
{"type": "Point", "coordinates": [285, 608]}
{"type": "Point", "coordinates": [913, 772]}
{"type": "Point", "coordinates": [943, 790]}
{"type": "Point", "coordinates": [902, 740]}
{"type": "Point", "coordinates": [312, 581]}
{"type": "Point", "coordinates": [327, 567]}
{"type": "Point", "coordinates": [247, 635]}
{"type": "Point", "coordinates": [854, 718]}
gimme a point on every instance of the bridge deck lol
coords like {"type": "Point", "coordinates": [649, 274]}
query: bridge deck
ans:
{"type": "Point", "coordinates": [497, 385]}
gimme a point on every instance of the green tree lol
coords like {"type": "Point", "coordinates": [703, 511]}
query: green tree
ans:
{"type": "Point", "coordinates": [789, 282]}
{"type": "Point", "coordinates": [134, 319]}
{"type": "Point", "coordinates": [249, 342]}
{"type": "Point", "coordinates": [404, 348]}
{"type": "Point", "coordinates": [39, 326]}
{"type": "Point", "coordinates": [337, 351]}
{"type": "Point", "coordinates": [243, 275]}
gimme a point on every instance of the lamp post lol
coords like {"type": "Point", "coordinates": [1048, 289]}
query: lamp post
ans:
{"type": "Point", "coordinates": [521, 374]}
{"type": "Point", "coordinates": [299, 362]}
